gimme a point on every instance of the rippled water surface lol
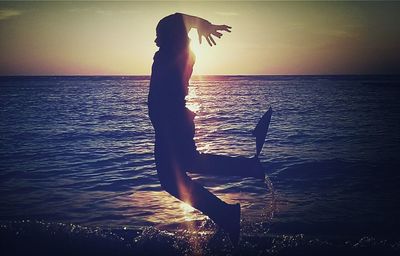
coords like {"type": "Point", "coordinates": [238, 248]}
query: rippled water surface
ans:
{"type": "Point", "coordinates": [79, 150]}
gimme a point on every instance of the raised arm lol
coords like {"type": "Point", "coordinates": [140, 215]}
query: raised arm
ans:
{"type": "Point", "coordinates": [204, 28]}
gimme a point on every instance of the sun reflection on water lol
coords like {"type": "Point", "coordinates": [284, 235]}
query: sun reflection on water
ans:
{"type": "Point", "coordinates": [192, 101]}
{"type": "Point", "coordinates": [187, 211]}
{"type": "Point", "coordinates": [160, 208]}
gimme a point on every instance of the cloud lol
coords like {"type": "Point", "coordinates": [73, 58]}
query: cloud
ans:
{"type": "Point", "coordinates": [8, 13]}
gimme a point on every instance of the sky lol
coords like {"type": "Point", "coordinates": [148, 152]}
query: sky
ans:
{"type": "Point", "coordinates": [271, 38]}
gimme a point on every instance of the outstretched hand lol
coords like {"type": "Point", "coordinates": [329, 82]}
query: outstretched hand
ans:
{"type": "Point", "coordinates": [208, 30]}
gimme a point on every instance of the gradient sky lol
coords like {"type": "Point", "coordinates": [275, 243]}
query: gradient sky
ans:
{"type": "Point", "coordinates": [116, 38]}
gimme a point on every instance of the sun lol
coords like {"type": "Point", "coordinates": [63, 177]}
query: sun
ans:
{"type": "Point", "coordinates": [194, 42]}
{"type": "Point", "coordinates": [209, 59]}
{"type": "Point", "coordinates": [200, 50]}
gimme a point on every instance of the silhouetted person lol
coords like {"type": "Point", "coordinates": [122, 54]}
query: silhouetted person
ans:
{"type": "Point", "coordinates": [175, 149]}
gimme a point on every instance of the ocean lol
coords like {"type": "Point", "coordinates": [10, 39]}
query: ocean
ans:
{"type": "Point", "coordinates": [77, 170]}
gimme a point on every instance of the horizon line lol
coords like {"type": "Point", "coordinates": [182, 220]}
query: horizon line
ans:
{"type": "Point", "coordinates": [193, 76]}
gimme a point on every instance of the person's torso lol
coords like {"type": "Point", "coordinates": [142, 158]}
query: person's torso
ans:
{"type": "Point", "coordinates": [169, 81]}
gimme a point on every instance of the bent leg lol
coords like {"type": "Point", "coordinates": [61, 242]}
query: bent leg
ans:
{"type": "Point", "coordinates": [227, 216]}
{"type": "Point", "coordinates": [175, 181]}
{"type": "Point", "coordinates": [192, 193]}
{"type": "Point", "coordinates": [227, 166]}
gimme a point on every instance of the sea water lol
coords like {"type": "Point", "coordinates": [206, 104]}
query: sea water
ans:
{"type": "Point", "coordinates": [76, 160]}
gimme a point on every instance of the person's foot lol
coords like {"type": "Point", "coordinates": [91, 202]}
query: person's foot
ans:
{"type": "Point", "coordinates": [258, 169]}
{"type": "Point", "coordinates": [231, 224]}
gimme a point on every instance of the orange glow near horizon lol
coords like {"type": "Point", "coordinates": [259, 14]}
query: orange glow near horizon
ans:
{"type": "Point", "coordinates": [117, 38]}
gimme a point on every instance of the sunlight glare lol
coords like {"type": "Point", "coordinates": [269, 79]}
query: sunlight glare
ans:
{"type": "Point", "coordinates": [164, 208]}
{"type": "Point", "coordinates": [188, 211]}
{"type": "Point", "coordinates": [200, 51]}
{"type": "Point", "coordinates": [192, 102]}
{"type": "Point", "coordinates": [186, 208]}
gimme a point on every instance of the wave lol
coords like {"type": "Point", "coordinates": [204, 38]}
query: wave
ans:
{"type": "Point", "coordinates": [44, 238]}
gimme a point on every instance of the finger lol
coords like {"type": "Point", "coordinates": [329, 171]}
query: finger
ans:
{"type": "Point", "coordinates": [217, 34]}
{"type": "Point", "coordinates": [208, 41]}
{"type": "Point", "coordinates": [225, 28]}
{"type": "Point", "coordinates": [200, 37]}
{"type": "Point", "coordinates": [212, 40]}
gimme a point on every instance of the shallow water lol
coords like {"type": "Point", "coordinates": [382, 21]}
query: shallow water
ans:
{"type": "Point", "coordinates": [79, 150]}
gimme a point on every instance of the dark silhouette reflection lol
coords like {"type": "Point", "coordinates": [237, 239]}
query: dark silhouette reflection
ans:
{"type": "Point", "coordinates": [175, 149]}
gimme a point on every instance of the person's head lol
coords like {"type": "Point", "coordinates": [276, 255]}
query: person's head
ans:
{"type": "Point", "coordinates": [172, 33]}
